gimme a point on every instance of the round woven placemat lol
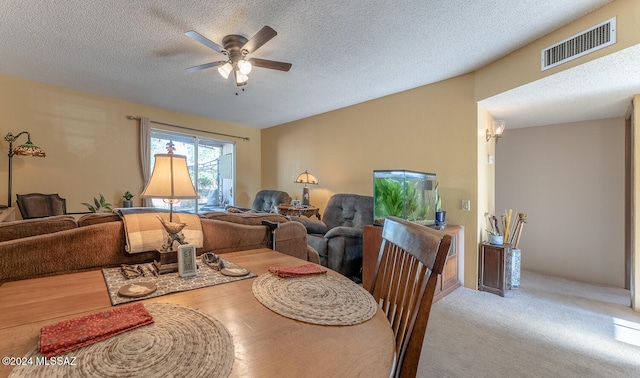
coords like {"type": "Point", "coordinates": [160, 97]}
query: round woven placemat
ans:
{"type": "Point", "coordinates": [182, 342]}
{"type": "Point", "coordinates": [317, 299]}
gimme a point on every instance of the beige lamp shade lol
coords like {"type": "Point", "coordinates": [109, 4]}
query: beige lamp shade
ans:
{"type": "Point", "coordinates": [170, 179]}
{"type": "Point", "coordinates": [306, 178]}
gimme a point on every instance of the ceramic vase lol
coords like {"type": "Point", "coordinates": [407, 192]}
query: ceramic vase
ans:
{"type": "Point", "coordinates": [495, 239]}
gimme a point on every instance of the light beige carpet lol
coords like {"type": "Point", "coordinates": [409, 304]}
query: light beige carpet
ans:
{"type": "Point", "coordinates": [549, 327]}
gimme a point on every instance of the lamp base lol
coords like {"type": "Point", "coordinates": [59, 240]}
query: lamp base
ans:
{"type": "Point", "coordinates": [166, 261]}
{"type": "Point", "coordinates": [167, 257]}
{"type": "Point", "coordinates": [169, 239]}
{"type": "Point", "coordinates": [305, 196]}
{"type": "Point", "coordinates": [174, 233]}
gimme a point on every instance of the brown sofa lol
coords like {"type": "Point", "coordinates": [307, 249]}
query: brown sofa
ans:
{"type": "Point", "coordinates": [60, 244]}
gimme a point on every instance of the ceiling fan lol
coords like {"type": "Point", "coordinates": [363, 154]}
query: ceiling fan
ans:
{"type": "Point", "coordinates": [236, 48]}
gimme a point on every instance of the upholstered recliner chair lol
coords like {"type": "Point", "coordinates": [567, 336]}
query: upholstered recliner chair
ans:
{"type": "Point", "coordinates": [338, 237]}
{"type": "Point", "coordinates": [265, 201]}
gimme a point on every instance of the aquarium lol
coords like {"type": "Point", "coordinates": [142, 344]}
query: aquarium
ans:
{"type": "Point", "coordinates": [405, 194]}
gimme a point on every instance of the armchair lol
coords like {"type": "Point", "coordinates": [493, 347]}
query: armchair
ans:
{"type": "Point", "coordinates": [338, 237]}
{"type": "Point", "coordinates": [265, 200]}
{"type": "Point", "coordinates": [37, 205]}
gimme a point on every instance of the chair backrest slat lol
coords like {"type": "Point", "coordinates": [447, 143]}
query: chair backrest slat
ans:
{"type": "Point", "coordinates": [411, 258]}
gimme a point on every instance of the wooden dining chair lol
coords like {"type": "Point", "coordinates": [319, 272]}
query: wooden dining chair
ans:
{"type": "Point", "coordinates": [410, 260]}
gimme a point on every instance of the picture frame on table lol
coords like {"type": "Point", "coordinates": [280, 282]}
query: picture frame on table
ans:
{"type": "Point", "coordinates": [187, 266]}
{"type": "Point", "coordinates": [296, 203]}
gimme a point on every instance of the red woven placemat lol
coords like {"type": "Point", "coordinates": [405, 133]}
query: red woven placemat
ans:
{"type": "Point", "coordinates": [297, 271]}
{"type": "Point", "coordinates": [76, 333]}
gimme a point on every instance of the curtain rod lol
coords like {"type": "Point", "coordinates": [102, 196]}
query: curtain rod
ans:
{"type": "Point", "coordinates": [189, 128]}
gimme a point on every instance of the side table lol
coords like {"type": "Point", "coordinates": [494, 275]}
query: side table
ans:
{"type": "Point", "coordinates": [308, 211]}
{"type": "Point", "coordinates": [495, 268]}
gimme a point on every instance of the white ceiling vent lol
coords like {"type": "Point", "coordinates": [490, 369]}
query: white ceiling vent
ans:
{"type": "Point", "coordinates": [590, 40]}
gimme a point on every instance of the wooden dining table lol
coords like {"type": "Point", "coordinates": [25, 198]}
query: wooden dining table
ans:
{"type": "Point", "coordinates": [266, 343]}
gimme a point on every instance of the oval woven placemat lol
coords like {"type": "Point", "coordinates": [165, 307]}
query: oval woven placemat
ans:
{"type": "Point", "coordinates": [182, 342]}
{"type": "Point", "coordinates": [318, 299]}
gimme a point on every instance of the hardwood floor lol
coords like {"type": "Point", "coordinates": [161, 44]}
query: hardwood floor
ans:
{"type": "Point", "coordinates": [267, 344]}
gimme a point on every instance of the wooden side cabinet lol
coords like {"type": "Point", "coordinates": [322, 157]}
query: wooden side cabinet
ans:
{"type": "Point", "coordinates": [447, 281]}
{"type": "Point", "coordinates": [495, 275]}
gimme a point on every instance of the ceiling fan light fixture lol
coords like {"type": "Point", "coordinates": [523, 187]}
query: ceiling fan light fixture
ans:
{"type": "Point", "coordinates": [241, 79]}
{"type": "Point", "coordinates": [244, 66]}
{"type": "Point", "coordinates": [225, 70]}
{"type": "Point", "coordinates": [236, 48]}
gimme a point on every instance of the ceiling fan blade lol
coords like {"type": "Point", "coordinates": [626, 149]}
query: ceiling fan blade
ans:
{"type": "Point", "coordinates": [204, 40]}
{"type": "Point", "coordinates": [205, 66]}
{"type": "Point", "coordinates": [271, 64]}
{"type": "Point", "coordinates": [260, 38]}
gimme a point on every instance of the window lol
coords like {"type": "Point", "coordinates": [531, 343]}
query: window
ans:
{"type": "Point", "coordinates": [211, 165]}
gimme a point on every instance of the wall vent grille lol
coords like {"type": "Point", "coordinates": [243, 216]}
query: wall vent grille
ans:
{"type": "Point", "coordinates": [588, 41]}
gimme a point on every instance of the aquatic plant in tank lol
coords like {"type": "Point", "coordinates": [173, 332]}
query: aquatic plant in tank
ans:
{"type": "Point", "coordinates": [404, 194]}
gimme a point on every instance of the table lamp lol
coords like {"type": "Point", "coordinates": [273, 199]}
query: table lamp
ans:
{"type": "Point", "coordinates": [306, 178]}
{"type": "Point", "coordinates": [27, 149]}
{"type": "Point", "coordinates": [170, 181]}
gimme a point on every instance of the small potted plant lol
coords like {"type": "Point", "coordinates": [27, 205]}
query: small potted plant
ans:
{"type": "Point", "coordinates": [439, 213]}
{"type": "Point", "coordinates": [99, 205]}
{"type": "Point", "coordinates": [127, 199]}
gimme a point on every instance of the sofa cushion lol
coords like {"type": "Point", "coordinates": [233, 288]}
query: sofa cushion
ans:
{"type": "Point", "coordinates": [248, 218]}
{"type": "Point", "coordinates": [39, 226]}
{"type": "Point", "coordinates": [95, 218]}
{"type": "Point", "coordinates": [313, 226]}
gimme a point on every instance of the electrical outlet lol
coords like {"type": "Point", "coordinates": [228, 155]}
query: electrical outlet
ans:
{"type": "Point", "coordinates": [466, 205]}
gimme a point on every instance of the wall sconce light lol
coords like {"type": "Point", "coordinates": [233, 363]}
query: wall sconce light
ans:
{"type": "Point", "coordinates": [27, 149]}
{"type": "Point", "coordinates": [498, 126]}
{"type": "Point", "coordinates": [306, 178]}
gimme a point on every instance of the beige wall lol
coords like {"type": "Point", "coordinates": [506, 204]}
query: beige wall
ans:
{"type": "Point", "coordinates": [569, 180]}
{"type": "Point", "coordinates": [523, 66]}
{"type": "Point", "coordinates": [428, 129]}
{"type": "Point", "coordinates": [635, 227]}
{"type": "Point", "coordinates": [486, 171]}
{"type": "Point", "coordinates": [92, 147]}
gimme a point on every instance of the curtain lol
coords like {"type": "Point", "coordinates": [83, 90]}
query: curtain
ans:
{"type": "Point", "coordinates": [145, 155]}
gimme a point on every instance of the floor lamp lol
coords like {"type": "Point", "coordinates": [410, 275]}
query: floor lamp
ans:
{"type": "Point", "coordinates": [27, 149]}
{"type": "Point", "coordinates": [170, 180]}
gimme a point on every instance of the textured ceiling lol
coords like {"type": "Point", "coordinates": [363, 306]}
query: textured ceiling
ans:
{"type": "Point", "coordinates": [343, 52]}
{"type": "Point", "coordinates": [599, 89]}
